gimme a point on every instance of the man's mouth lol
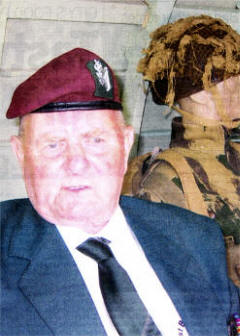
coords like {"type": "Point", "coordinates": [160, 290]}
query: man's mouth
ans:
{"type": "Point", "coordinates": [76, 188]}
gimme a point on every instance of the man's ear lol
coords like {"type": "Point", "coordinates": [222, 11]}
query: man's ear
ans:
{"type": "Point", "coordinates": [128, 142]}
{"type": "Point", "coordinates": [17, 147]}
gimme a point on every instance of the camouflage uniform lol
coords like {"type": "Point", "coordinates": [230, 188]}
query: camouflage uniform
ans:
{"type": "Point", "coordinates": [212, 161]}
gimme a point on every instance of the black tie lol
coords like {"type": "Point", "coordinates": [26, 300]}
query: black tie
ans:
{"type": "Point", "coordinates": [124, 306]}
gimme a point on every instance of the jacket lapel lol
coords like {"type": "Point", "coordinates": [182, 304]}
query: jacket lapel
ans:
{"type": "Point", "coordinates": [181, 275]}
{"type": "Point", "coordinates": [52, 282]}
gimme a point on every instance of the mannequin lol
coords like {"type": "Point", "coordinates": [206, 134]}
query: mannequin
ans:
{"type": "Point", "coordinates": [201, 170]}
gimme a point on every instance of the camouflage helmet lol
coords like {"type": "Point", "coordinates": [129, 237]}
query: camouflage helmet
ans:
{"type": "Point", "coordinates": [188, 56]}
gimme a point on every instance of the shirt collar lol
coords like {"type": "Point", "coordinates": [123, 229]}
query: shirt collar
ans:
{"type": "Point", "coordinates": [114, 231]}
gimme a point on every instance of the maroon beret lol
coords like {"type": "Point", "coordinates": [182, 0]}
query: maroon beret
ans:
{"type": "Point", "coordinates": [76, 80]}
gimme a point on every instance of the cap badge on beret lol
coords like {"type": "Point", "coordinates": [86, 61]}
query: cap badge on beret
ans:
{"type": "Point", "coordinates": [102, 77]}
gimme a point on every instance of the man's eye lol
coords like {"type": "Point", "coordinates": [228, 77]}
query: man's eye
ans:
{"type": "Point", "coordinates": [53, 145]}
{"type": "Point", "coordinates": [54, 148]}
{"type": "Point", "coordinates": [98, 140]}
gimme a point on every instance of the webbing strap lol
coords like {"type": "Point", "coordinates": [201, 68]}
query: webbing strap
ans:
{"type": "Point", "coordinates": [192, 193]}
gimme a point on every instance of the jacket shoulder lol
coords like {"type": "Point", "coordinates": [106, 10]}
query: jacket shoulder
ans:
{"type": "Point", "coordinates": [12, 209]}
{"type": "Point", "coordinates": [173, 222]}
{"type": "Point", "coordinates": [14, 203]}
{"type": "Point", "coordinates": [12, 213]}
{"type": "Point", "coordinates": [168, 211]}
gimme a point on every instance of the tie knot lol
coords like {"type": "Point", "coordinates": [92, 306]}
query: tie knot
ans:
{"type": "Point", "coordinates": [96, 248]}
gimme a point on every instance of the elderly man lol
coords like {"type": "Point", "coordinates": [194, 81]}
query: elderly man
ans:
{"type": "Point", "coordinates": [74, 261]}
{"type": "Point", "coordinates": [193, 65]}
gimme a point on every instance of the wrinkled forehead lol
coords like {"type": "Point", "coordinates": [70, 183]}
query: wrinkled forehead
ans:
{"type": "Point", "coordinates": [73, 121]}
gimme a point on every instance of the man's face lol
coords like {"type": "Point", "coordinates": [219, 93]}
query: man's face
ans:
{"type": "Point", "coordinates": [73, 164]}
{"type": "Point", "coordinates": [225, 95]}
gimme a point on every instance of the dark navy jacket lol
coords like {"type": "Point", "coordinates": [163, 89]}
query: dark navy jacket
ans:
{"type": "Point", "coordinates": [43, 292]}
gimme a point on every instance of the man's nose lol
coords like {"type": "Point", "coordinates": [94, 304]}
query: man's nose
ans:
{"type": "Point", "coordinates": [77, 161]}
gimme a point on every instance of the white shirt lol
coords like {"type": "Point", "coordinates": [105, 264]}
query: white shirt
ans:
{"type": "Point", "coordinates": [131, 257]}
